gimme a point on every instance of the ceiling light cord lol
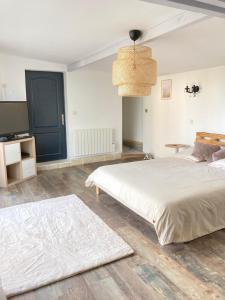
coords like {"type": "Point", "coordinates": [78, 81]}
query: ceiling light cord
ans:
{"type": "Point", "coordinates": [134, 67]}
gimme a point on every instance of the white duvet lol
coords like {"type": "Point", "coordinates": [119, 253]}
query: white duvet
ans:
{"type": "Point", "coordinates": [181, 198]}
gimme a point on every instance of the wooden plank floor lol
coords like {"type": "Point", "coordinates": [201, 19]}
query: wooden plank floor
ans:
{"type": "Point", "coordinates": [194, 270]}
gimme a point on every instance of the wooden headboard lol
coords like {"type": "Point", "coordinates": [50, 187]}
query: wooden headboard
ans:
{"type": "Point", "coordinates": [210, 138]}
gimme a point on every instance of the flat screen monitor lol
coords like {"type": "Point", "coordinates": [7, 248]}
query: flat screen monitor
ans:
{"type": "Point", "coordinates": [13, 118]}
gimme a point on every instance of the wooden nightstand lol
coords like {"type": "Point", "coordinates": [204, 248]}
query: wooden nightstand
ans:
{"type": "Point", "coordinates": [177, 147]}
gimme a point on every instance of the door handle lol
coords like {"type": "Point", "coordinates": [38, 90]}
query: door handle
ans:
{"type": "Point", "coordinates": [63, 120]}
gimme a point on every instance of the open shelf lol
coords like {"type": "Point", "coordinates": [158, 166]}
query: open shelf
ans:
{"type": "Point", "coordinates": [27, 150]}
{"type": "Point", "coordinates": [17, 161]}
{"type": "Point", "coordinates": [13, 173]}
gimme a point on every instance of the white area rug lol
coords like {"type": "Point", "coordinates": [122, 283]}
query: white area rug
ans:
{"type": "Point", "coordinates": [42, 242]}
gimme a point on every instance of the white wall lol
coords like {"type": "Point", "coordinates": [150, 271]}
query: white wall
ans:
{"type": "Point", "coordinates": [178, 119]}
{"type": "Point", "coordinates": [92, 103]}
{"type": "Point", "coordinates": [90, 99]}
{"type": "Point", "coordinates": [133, 118]}
{"type": "Point", "coordinates": [12, 74]}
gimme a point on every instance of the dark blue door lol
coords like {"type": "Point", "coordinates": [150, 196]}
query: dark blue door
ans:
{"type": "Point", "coordinates": [45, 96]}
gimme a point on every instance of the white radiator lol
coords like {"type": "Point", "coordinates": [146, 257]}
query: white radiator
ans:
{"type": "Point", "coordinates": [93, 141]}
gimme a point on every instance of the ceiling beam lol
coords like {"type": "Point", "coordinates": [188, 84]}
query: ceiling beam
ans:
{"type": "Point", "coordinates": [180, 20]}
{"type": "Point", "coordinates": [214, 8]}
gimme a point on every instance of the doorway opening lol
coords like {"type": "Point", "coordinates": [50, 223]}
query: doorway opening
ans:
{"type": "Point", "coordinates": [132, 125]}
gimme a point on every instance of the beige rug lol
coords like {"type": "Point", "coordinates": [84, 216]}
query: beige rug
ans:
{"type": "Point", "coordinates": [46, 241]}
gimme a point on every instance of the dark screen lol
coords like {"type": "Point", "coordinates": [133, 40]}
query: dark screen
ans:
{"type": "Point", "coordinates": [13, 117]}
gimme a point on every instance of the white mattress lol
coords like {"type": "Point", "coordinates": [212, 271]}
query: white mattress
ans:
{"type": "Point", "coordinates": [181, 198]}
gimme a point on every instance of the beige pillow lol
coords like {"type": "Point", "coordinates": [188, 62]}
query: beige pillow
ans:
{"type": "Point", "coordinates": [204, 151]}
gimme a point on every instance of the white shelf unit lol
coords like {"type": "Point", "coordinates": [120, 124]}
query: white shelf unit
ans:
{"type": "Point", "coordinates": [17, 161]}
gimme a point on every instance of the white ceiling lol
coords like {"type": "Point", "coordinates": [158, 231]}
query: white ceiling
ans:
{"type": "Point", "coordinates": [197, 46]}
{"type": "Point", "coordinates": [67, 30]}
{"type": "Point", "coordinates": [200, 45]}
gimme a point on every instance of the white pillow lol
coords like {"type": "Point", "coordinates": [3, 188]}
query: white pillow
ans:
{"type": "Point", "coordinates": [218, 164]}
{"type": "Point", "coordinates": [2, 295]}
{"type": "Point", "coordinates": [186, 154]}
{"type": "Point", "coordinates": [191, 157]}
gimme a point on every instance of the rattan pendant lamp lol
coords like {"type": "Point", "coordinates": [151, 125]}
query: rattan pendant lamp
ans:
{"type": "Point", "coordinates": [134, 71]}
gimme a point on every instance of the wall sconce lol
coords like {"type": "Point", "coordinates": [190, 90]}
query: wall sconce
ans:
{"type": "Point", "coordinates": [192, 90]}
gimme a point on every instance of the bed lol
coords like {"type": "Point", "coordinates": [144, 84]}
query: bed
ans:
{"type": "Point", "coordinates": [182, 199]}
